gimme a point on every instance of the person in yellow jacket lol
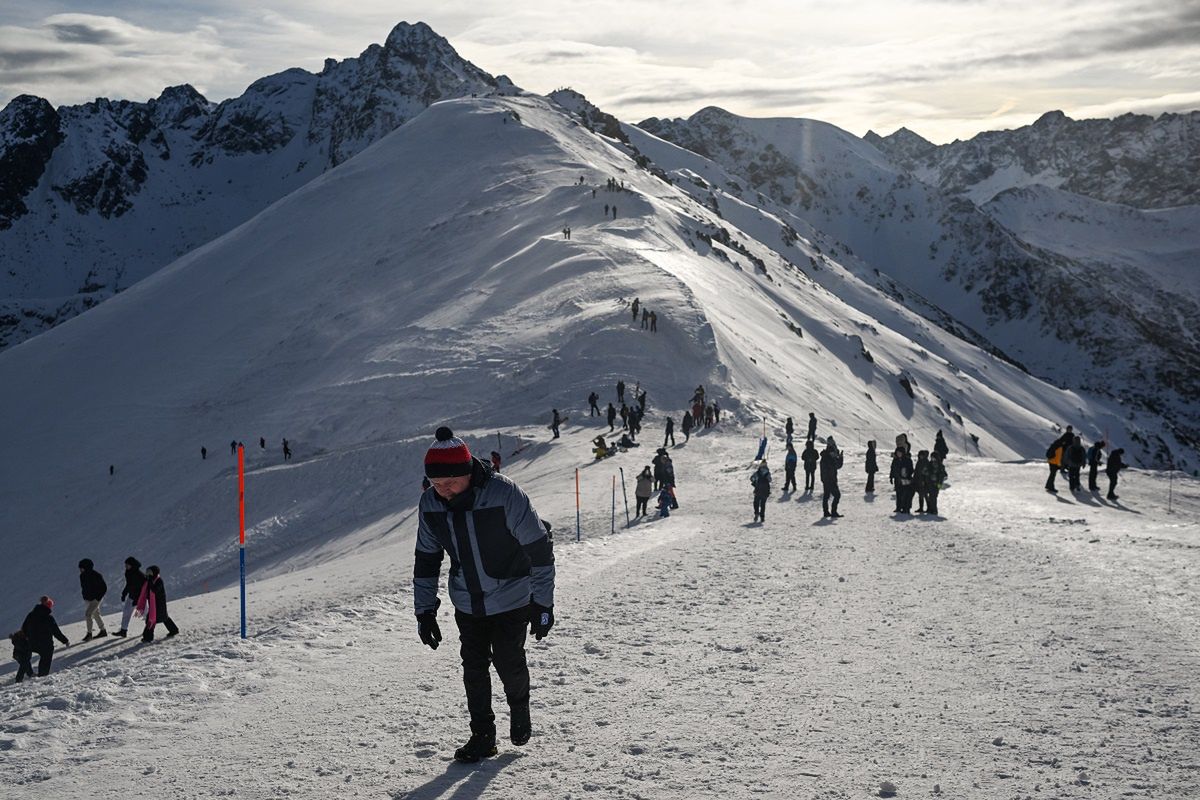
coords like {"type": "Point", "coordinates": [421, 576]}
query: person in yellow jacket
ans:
{"type": "Point", "coordinates": [1054, 456]}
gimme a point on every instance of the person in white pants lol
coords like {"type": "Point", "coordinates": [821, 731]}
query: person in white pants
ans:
{"type": "Point", "coordinates": [93, 586]}
{"type": "Point", "coordinates": [134, 578]}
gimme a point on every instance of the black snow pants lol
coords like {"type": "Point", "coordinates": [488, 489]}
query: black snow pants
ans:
{"type": "Point", "coordinates": [24, 668]}
{"type": "Point", "coordinates": [931, 500]}
{"type": "Point", "coordinates": [497, 640]}
{"type": "Point", "coordinates": [45, 659]}
{"type": "Point", "coordinates": [1112, 485]}
{"type": "Point", "coordinates": [789, 478]}
{"type": "Point", "coordinates": [760, 507]}
{"type": "Point", "coordinates": [1073, 478]}
{"type": "Point", "coordinates": [1050, 480]}
{"type": "Point", "coordinates": [172, 628]}
{"type": "Point", "coordinates": [830, 491]}
{"type": "Point", "coordinates": [809, 479]}
{"type": "Point", "coordinates": [1092, 485]}
{"type": "Point", "coordinates": [870, 482]}
{"type": "Point", "coordinates": [642, 502]}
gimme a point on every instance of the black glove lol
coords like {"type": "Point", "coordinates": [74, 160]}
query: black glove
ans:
{"type": "Point", "coordinates": [541, 620]}
{"type": "Point", "coordinates": [428, 628]}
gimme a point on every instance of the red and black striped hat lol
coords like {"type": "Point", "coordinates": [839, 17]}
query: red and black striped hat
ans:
{"type": "Point", "coordinates": [448, 457]}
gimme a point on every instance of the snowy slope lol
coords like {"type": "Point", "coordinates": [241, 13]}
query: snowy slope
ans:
{"type": "Point", "coordinates": [1111, 333]}
{"type": "Point", "coordinates": [1021, 645]}
{"type": "Point", "coordinates": [1134, 159]}
{"type": "Point", "coordinates": [96, 197]}
{"type": "Point", "coordinates": [1162, 245]}
{"type": "Point", "coordinates": [427, 280]}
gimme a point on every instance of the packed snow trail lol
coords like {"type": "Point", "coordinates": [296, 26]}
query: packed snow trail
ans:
{"type": "Point", "coordinates": [992, 656]}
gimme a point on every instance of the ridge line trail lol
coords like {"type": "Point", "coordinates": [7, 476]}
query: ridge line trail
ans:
{"type": "Point", "coordinates": [693, 656]}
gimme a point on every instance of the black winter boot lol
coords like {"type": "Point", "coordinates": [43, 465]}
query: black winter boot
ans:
{"type": "Point", "coordinates": [122, 633]}
{"type": "Point", "coordinates": [480, 745]}
{"type": "Point", "coordinates": [519, 727]}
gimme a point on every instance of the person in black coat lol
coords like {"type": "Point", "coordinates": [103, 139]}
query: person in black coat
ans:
{"type": "Point", "coordinates": [687, 425]}
{"type": "Point", "coordinates": [1116, 463]}
{"type": "Point", "coordinates": [761, 480]}
{"type": "Point", "coordinates": [134, 579]}
{"type": "Point", "coordinates": [810, 457]}
{"type": "Point", "coordinates": [94, 588]}
{"type": "Point", "coordinates": [812, 426]}
{"type": "Point", "coordinates": [831, 462]}
{"type": "Point", "coordinates": [670, 432]}
{"type": "Point", "coordinates": [1095, 457]}
{"type": "Point", "coordinates": [1074, 457]}
{"type": "Point", "coordinates": [940, 447]}
{"type": "Point", "coordinates": [621, 392]}
{"type": "Point", "coordinates": [153, 602]}
{"type": "Point", "coordinates": [555, 423]}
{"type": "Point", "coordinates": [789, 427]}
{"type": "Point", "coordinates": [872, 467]}
{"type": "Point", "coordinates": [612, 417]}
{"type": "Point", "coordinates": [902, 477]}
{"type": "Point", "coordinates": [593, 409]}
{"type": "Point", "coordinates": [41, 630]}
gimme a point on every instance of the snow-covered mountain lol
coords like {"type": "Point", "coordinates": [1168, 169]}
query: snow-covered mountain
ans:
{"type": "Point", "coordinates": [428, 280]}
{"type": "Point", "coordinates": [95, 197]}
{"type": "Point", "coordinates": [1134, 159]}
{"type": "Point", "coordinates": [1161, 246]}
{"type": "Point", "coordinates": [1107, 331]}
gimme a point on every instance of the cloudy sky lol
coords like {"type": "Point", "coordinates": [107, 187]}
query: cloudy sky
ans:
{"type": "Point", "coordinates": [944, 68]}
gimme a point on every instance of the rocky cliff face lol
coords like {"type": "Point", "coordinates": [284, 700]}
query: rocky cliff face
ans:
{"type": "Point", "coordinates": [1135, 160]}
{"type": "Point", "coordinates": [96, 196]}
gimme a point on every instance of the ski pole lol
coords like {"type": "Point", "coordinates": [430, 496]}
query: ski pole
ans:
{"type": "Point", "coordinates": [242, 529]}
{"type": "Point", "coordinates": [614, 505]}
{"type": "Point", "coordinates": [625, 494]}
{"type": "Point", "coordinates": [577, 520]}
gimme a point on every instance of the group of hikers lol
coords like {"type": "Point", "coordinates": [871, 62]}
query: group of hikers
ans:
{"type": "Point", "coordinates": [923, 479]}
{"type": "Point", "coordinates": [144, 595]}
{"type": "Point", "coordinates": [1068, 455]}
{"type": "Point", "coordinates": [262, 444]}
{"type": "Point", "coordinates": [649, 318]}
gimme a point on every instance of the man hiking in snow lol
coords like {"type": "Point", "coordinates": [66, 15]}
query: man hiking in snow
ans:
{"type": "Point", "coordinates": [287, 450]}
{"type": "Point", "coordinates": [670, 433]}
{"type": "Point", "coordinates": [593, 409]}
{"type": "Point", "coordinates": [621, 392]}
{"type": "Point", "coordinates": [134, 579]}
{"type": "Point", "coordinates": [94, 588]}
{"type": "Point", "coordinates": [872, 467]}
{"type": "Point", "coordinates": [636, 304]}
{"type": "Point", "coordinates": [831, 462]}
{"type": "Point", "coordinates": [501, 580]}
{"type": "Point", "coordinates": [612, 417]}
{"type": "Point", "coordinates": [687, 426]}
{"type": "Point", "coordinates": [789, 468]}
{"type": "Point", "coordinates": [761, 481]}
{"type": "Point", "coordinates": [41, 629]}
{"type": "Point", "coordinates": [810, 457]}
{"type": "Point", "coordinates": [1055, 455]}
{"type": "Point", "coordinates": [1116, 463]}
{"type": "Point", "coordinates": [555, 423]}
{"type": "Point", "coordinates": [812, 426]}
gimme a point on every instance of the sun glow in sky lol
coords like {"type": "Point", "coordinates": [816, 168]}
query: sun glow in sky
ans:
{"type": "Point", "coordinates": [944, 68]}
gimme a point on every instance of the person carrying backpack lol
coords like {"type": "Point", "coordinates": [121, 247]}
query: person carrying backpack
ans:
{"type": "Point", "coordinates": [1054, 456]}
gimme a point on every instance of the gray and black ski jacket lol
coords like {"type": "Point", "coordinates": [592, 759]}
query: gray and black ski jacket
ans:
{"type": "Point", "coordinates": [501, 558]}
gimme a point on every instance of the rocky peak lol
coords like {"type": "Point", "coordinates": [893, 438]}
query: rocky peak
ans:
{"type": "Point", "coordinates": [1051, 119]}
{"type": "Point", "coordinates": [30, 129]}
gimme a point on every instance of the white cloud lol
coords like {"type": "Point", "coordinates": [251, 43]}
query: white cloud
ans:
{"type": "Point", "coordinates": [943, 68]}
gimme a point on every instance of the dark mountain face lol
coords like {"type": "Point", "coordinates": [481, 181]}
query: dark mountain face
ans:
{"type": "Point", "coordinates": [1134, 159]}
